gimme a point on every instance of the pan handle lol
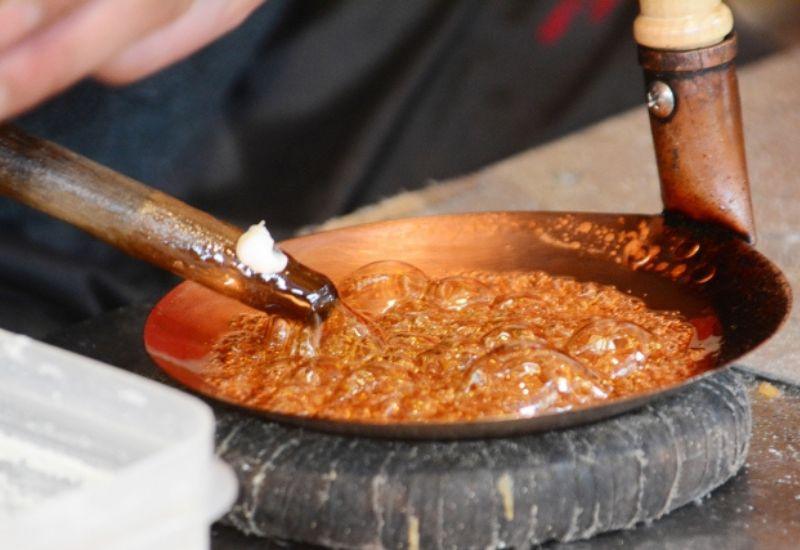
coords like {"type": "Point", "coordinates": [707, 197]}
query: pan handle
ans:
{"type": "Point", "coordinates": [687, 50]}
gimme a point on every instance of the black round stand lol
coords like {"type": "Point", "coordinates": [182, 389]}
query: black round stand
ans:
{"type": "Point", "coordinates": [339, 491]}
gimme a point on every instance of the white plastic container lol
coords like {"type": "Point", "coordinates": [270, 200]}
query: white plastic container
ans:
{"type": "Point", "coordinates": [95, 457]}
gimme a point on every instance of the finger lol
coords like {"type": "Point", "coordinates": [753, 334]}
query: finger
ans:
{"type": "Point", "coordinates": [72, 47]}
{"type": "Point", "coordinates": [18, 18]}
{"type": "Point", "coordinates": [203, 23]}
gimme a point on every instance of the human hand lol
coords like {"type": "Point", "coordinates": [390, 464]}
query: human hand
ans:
{"type": "Point", "coordinates": [48, 45]}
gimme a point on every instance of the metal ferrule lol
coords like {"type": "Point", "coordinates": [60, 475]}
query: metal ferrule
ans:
{"type": "Point", "coordinates": [696, 119]}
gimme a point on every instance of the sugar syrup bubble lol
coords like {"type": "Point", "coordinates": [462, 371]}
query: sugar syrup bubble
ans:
{"type": "Point", "coordinates": [686, 249]}
{"type": "Point", "coordinates": [703, 273]}
{"type": "Point", "coordinates": [533, 379]}
{"type": "Point", "coordinates": [570, 376]}
{"type": "Point", "coordinates": [417, 406]}
{"type": "Point", "coordinates": [383, 383]}
{"type": "Point", "coordinates": [545, 399]}
{"type": "Point", "coordinates": [376, 288]}
{"type": "Point", "coordinates": [240, 384]}
{"type": "Point", "coordinates": [305, 389]}
{"type": "Point", "coordinates": [638, 253]}
{"type": "Point", "coordinates": [567, 382]}
{"type": "Point", "coordinates": [284, 337]}
{"type": "Point", "coordinates": [476, 345]}
{"type": "Point", "coordinates": [505, 334]}
{"type": "Point", "coordinates": [312, 375]}
{"type": "Point", "coordinates": [558, 333]}
{"type": "Point", "coordinates": [514, 366]}
{"type": "Point", "coordinates": [521, 305]}
{"type": "Point", "coordinates": [523, 284]}
{"type": "Point", "coordinates": [616, 348]}
{"type": "Point", "coordinates": [294, 399]}
{"type": "Point", "coordinates": [458, 293]}
{"type": "Point", "coordinates": [415, 341]}
{"type": "Point", "coordinates": [361, 380]}
{"type": "Point", "coordinates": [448, 355]}
{"type": "Point", "coordinates": [349, 336]}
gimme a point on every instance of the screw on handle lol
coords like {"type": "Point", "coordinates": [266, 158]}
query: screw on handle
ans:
{"type": "Point", "coordinates": [687, 51]}
{"type": "Point", "coordinates": [682, 24]}
{"type": "Point", "coordinates": [150, 225]}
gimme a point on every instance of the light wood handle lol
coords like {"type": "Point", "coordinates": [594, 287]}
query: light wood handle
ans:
{"type": "Point", "coordinates": [682, 24]}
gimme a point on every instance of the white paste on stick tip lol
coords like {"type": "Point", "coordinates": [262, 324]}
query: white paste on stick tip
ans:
{"type": "Point", "coordinates": [256, 249]}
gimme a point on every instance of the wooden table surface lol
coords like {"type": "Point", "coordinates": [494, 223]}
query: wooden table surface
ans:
{"type": "Point", "coordinates": [610, 167]}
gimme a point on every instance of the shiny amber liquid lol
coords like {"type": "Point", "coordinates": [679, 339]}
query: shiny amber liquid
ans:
{"type": "Point", "coordinates": [403, 347]}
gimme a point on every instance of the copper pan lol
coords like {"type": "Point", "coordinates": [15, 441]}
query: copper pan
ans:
{"type": "Point", "coordinates": [696, 257]}
{"type": "Point", "coordinates": [689, 268]}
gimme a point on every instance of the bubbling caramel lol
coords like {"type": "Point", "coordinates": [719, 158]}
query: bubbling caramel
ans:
{"type": "Point", "coordinates": [403, 347]}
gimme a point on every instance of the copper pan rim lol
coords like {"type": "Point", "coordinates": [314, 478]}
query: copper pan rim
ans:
{"type": "Point", "coordinates": [749, 294]}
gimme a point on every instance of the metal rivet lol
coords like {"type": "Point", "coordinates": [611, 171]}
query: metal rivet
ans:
{"type": "Point", "coordinates": [660, 99]}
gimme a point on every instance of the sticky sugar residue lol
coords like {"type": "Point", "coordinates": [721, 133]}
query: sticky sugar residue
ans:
{"type": "Point", "coordinates": [403, 346]}
{"type": "Point", "coordinates": [505, 486]}
{"type": "Point", "coordinates": [768, 390]}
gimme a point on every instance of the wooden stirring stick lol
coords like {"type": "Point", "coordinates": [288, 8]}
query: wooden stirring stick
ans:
{"type": "Point", "coordinates": [150, 225]}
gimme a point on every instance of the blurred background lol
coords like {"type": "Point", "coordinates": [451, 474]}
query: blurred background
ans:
{"type": "Point", "coordinates": [313, 108]}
